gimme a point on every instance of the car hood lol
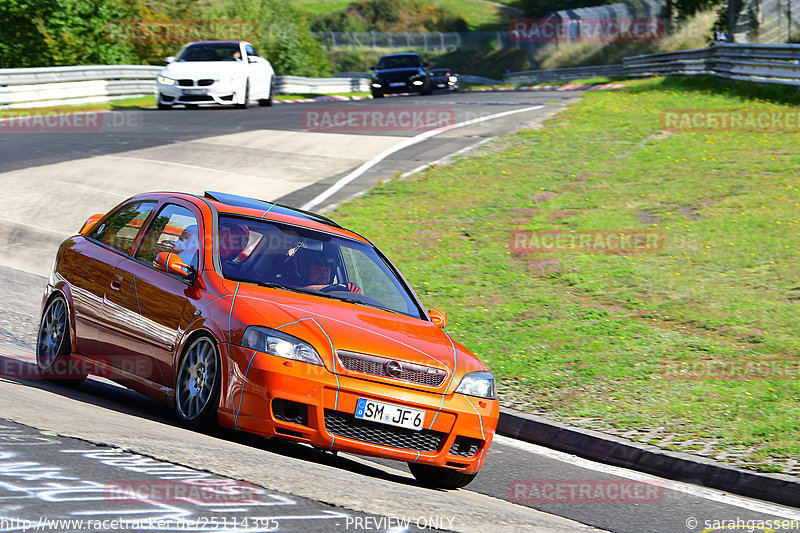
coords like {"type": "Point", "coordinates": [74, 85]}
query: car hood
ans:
{"type": "Point", "coordinates": [397, 74]}
{"type": "Point", "coordinates": [332, 325]}
{"type": "Point", "coordinates": [203, 69]}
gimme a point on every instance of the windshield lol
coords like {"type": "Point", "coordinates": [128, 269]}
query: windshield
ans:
{"type": "Point", "coordinates": [211, 52]}
{"type": "Point", "coordinates": [404, 61]}
{"type": "Point", "coordinates": [289, 257]}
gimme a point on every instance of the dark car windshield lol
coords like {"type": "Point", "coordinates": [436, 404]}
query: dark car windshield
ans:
{"type": "Point", "coordinates": [440, 72]}
{"type": "Point", "coordinates": [209, 52]}
{"type": "Point", "coordinates": [299, 259]}
{"type": "Point", "coordinates": [400, 61]}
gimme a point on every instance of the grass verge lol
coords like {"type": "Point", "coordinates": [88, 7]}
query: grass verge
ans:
{"type": "Point", "coordinates": [146, 102]}
{"type": "Point", "coordinates": [691, 345]}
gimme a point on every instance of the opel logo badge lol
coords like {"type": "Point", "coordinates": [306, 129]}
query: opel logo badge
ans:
{"type": "Point", "coordinates": [394, 369]}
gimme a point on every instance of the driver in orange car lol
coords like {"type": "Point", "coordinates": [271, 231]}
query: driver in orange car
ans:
{"type": "Point", "coordinates": [308, 270]}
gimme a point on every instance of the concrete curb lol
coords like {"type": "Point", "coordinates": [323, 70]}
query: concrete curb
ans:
{"type": "Point", "coordinates": [344, 98]}
{"type": "Point", "coordinates": [609, 449]}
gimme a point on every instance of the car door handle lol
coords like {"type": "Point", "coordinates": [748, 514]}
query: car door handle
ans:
{"type": "Point", "coordinates": [116, 282]}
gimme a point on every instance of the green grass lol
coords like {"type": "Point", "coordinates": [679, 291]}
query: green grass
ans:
{"type": "Point", "coordinates": [479, 15]}
{"type": "Point", "coordinates": [604, 335]}
{"type": "Point", "coordinates": [124, 104]}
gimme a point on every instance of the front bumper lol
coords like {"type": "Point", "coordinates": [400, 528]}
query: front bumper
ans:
{"type": "Point", "coordinates": [216, 93]}
{"type": "Point", "coordinates": [407, 86]}
{"type": "Point", "coordinates": [457, 430]}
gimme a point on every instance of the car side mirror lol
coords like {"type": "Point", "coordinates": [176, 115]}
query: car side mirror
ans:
{"type": "Point", "coordinates": [438, 317]}
{"type": "Point", "coordinates": [90, 223]}
{"type": "Point", "coordinates": [251, 59]}
{"type": "Point", "coordinates": [372, 67]}
{"type": "Point", "coordinates": [171, 263]}
{"type": "Point", "coordinates": [170, 59]}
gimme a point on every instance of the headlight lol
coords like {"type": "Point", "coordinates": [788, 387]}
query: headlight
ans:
{"type": "Point", "coordinates": [480, 384]}
{"type": "Point", "coordinates": [276, 343]}
{"type": "Point", "coordinates": [417, 82]}
{"type": "Point", "coordinates": [376, 84]}
{"type": "Point", "coordinates": [453, 79]}
{"type": "Point", "coordinates": [165, 81]}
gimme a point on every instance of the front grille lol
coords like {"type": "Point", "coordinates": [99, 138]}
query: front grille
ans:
{"type": "Point", "coordinates": [377, 366]}
{"type": "Point", "coordinates": [465, 446]}
{"type": "Point", "coordinates": [346, 425]}
{"type": "Point", "coordinates": [185, 83]}
{"type": "Point", "coordinates": [196, 98]}
{"type": "Point", "coordinates": [204, 83]}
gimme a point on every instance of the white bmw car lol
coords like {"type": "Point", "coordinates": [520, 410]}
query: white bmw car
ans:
{"type": "Point", "coordinates": [216, 73]}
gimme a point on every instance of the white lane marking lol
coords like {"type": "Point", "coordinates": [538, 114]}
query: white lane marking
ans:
{"type": "Point", "coordinates": [668, 484]}
{"type": "Point", "coordinates": [405, 144]}
{"type": "Point", "coordinates": [445, 158]}
{"type": "Point", "coordinates": [172, 163]}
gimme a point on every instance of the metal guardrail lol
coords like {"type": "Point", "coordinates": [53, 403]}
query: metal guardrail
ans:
{"type": "Point", "coordinates": [297, 84]}
{"type": "Point", "coordinates": [564, 74]}
{"type": "Point", "coordinates": [759, 63]}
{"type": "Point", "coordinates": [41, 87]}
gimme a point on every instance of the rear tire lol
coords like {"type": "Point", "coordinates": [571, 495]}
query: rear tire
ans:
{"type": "Point", "coordinates": [53, 347]}
{"type": "Point", "coordinates": [437, 477]}
{"type": "Point", "coordinates": [198, 385]}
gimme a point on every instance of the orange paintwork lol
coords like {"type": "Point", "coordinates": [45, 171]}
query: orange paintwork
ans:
{"type": "Point", "coordinates": [134, 320]}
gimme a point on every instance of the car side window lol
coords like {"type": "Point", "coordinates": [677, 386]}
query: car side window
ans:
{"type": "Point", "coordinates": [120, 230]}
{"type": "Point", "coordinates": [174, 229]}
{"type": "Point", "coordinates": [250, 50]}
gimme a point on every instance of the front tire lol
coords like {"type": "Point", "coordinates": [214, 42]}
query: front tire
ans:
{"type": "Point", "coordinates": [437, 477]}
{"type": "Point", "coordinates": [198, 385]}
{"type": "Point", "coordinates": [163, 106]}
{"type": "Point", "coordinates": [267, 102]}
{"type": "Point", "coordinates": [246, 103]}
{"type": "Point", "coordinates": [377, 94]}
{"type": "Point", "coordinates": [53, 346]}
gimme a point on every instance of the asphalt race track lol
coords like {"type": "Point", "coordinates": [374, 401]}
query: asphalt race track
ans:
{"type": "Point", "coordinates": [101, 452]}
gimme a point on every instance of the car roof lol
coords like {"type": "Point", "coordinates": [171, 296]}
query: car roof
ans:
{"type": "Point", "coordinates": [216, 42]}
{"type": "Point", "coordinates": [401, 54]}
{"type": "Point", "coordinates": [242, 205]}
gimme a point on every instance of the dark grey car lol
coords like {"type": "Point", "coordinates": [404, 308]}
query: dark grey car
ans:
{"type": "Point", "coordinates": [400, 73]}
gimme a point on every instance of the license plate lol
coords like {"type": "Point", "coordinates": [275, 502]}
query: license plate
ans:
{"type": "Point", "coordinates": [195, 91]}
{"type": "Point", "coordinates": [387, 413]}
{"type": "Point", "coordinates": [397, 84]}
{"type": "Point", "coordinates": [440, 84]}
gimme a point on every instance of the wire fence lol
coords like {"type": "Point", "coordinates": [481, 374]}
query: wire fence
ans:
{"type": "Point", "coordinates": [768, 21]}
{"type": "Point", "coordinates": [427, 42]}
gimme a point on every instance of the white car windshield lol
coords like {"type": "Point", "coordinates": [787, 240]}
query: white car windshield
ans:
{"type": "Point", "coordinates": [298, 259]}
{"type": "Point", "coordinates": [211, 52]}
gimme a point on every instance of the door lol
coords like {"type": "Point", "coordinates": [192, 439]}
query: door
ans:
{"type": "Point", "coordinates": [93, 261]}
{"type": "Point", "coordinates": [152, 307]}
{"type": "Point", "coordinates": [257, 73]}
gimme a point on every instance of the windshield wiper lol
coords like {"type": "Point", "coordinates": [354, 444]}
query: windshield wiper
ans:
{"type": "Point", "coordinates": [365, 304]}
{"type": "Point", "coordinates": [285, 287]}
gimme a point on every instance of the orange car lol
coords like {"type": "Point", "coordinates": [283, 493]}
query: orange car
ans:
{"type": "Point", "coordinates": [271, 320]}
